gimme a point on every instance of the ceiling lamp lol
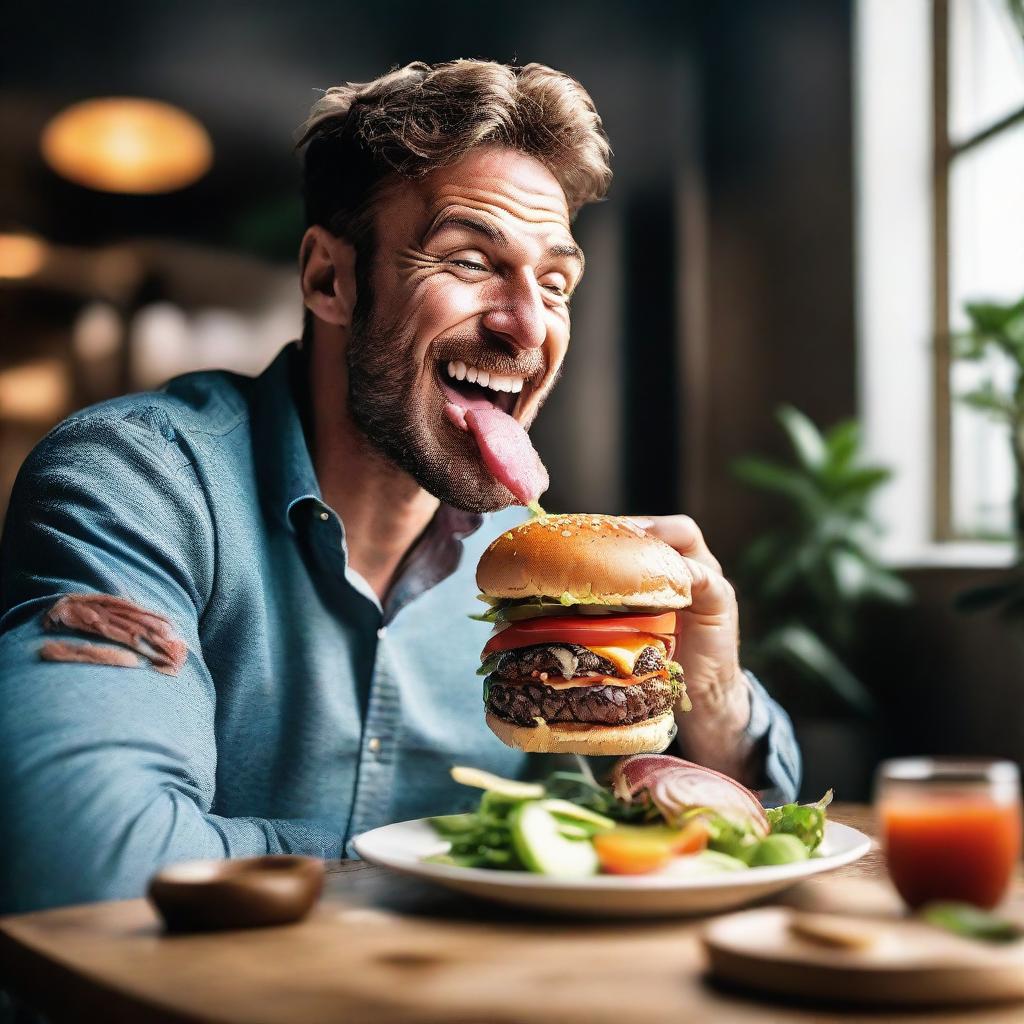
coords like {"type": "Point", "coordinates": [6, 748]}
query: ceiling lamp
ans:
{"type": "Point", "coordinates": [21, 256]}
{"type": "Point", "coordinates": [127, 145]}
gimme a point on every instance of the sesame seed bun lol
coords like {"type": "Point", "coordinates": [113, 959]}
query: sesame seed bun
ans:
{"type": "Point", "coordinates": [585, 559]}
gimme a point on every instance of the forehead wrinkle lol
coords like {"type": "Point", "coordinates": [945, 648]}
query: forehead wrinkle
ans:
{"type": "Point", "coordinates": [527, 204]}
{"type": "Point", "coordinates": [509, 213]}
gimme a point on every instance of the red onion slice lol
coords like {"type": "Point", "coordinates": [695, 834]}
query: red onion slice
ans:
{"type": "Point", "coordinates": [675, 786]}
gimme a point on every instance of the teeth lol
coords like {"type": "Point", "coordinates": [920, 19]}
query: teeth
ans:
{"type": "Point", "coordinates": [484, 378]}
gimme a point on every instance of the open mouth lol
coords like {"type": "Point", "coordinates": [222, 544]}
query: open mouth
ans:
{"type": "Point", "coordinates": [469, 387]}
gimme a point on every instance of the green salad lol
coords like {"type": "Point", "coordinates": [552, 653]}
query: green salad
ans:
{"type": "Point", "coordinates": [658, 812]}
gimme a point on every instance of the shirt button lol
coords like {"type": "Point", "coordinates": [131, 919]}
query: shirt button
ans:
{"type": "Point", "coordinates": [324, 516]}
{"type": "Point", "coordinates": [374, 744]}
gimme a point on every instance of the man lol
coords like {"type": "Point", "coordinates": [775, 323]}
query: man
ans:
{"type": "Point", "coordinates": [236, 610]}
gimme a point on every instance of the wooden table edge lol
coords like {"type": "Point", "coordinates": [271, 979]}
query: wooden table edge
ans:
{"type": "Point", "coordinates": [67, 991]}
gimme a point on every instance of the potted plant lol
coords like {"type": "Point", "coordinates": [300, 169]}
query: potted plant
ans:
{"type": "Point", "coordinates": [996, 328]}
{"type": "Point", "coordinates": [806, 583]}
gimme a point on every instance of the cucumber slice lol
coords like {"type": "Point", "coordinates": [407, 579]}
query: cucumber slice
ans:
{"type": "Point", "coordinates": [571, 831]}
{"type": "Point", "coordinates": [511, 788]}
{"type": "Point", "coordinates": [542, 849]}
{"type": "Point", "coordinates": [567, 809]}
{"type": "Point", "coordinates": [707, 862]}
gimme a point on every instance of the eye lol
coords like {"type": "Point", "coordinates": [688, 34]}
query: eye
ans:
{"type": "Point", "coordinates": [555, 283]}
{"type": "Point", "coordinates": [469, 261]}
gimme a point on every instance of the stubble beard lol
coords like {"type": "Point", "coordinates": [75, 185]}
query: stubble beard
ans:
{"type": "Point", "coordinates": [402, 420]}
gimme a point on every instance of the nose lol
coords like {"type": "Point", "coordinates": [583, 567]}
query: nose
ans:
{"type": "Point", "coordinates": [518, 317]}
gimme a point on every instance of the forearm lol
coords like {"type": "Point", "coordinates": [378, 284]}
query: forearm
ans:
{"type": "Point", "coordinates": [110, 851]}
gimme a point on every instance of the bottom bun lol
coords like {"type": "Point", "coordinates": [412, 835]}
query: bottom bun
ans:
{"type": "Point", "coordinates": [650, 737]}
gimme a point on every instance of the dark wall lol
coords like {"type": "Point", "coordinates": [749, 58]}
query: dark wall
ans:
{"type": "Point", "coordinates": [778, 165]}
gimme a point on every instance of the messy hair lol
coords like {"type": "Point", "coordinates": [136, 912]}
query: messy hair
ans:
{"type": "Point", "coordinates": [416, 119]}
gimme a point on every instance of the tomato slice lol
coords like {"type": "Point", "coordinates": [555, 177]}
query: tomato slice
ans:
{"type": "Point", "coordinates": [585, 630]}
{"type": "Point", "coordinates": [638, 850]}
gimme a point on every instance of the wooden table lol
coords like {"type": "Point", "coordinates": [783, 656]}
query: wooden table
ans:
{"type": "Point", "coordinates": [385, 948]}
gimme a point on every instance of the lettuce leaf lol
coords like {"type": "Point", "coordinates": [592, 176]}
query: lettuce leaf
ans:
{"type": "Point", "coordinates": [805, 821]}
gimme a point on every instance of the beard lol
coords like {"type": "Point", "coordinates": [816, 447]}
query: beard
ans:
{"type": "Point", "coordinates": [403, 421]}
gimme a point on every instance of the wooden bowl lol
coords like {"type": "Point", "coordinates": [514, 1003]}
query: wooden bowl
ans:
{"type": "Point", "coordinates": [250, 892]}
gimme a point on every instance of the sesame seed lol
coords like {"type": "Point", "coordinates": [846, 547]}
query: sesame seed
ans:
{"type": "Point", "coordinates": [567, 533]}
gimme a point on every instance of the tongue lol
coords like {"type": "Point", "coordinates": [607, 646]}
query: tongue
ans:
{"type": "Point", "coordinates": [508, 453]}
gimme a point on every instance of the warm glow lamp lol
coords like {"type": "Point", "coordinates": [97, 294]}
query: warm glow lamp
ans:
{"type": "Point", "coordinates": [127, 145]}
{"type": "Point", "coordinates": [21, 256]}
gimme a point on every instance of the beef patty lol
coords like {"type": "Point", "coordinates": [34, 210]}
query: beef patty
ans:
{"type": "Point", "coordinates": [521, 703]}
{"type": "Point", "coordinates": [568, 661]}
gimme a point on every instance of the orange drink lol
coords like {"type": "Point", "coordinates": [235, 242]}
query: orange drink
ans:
{"type": "Point", "coordinates": [951, 829]}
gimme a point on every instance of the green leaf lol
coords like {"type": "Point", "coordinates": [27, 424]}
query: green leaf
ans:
{"type": "Point", "coordinates": [804, 436]}
{"type": "Point", "coordinates": [887, 586]}
{"type": "Point", "coordinates": [849, 572]}
{"type": "Point", "coordinates": [771, 476]}
{"type": "Point", "coordinates": [987, 399]}
{"type": "Point", "coordinates": [969, 346]}
{"type": "Point", "coordinates": [971, 922]}
{"type": "Point", "coordinates": [843, 442]}
{"type": "Point", "coordinates": [991, 317]}
{"type": "Point", "coordinates": [805, 821]}
{"type": "Point", "coordinates": [806, 650]}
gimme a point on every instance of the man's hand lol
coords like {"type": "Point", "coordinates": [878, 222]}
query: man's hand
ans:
{"type": "Point", "coordinates": [707, 648]}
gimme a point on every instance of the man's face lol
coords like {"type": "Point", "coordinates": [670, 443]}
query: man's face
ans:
{"type": "Point", "coordinates": [472, 271]}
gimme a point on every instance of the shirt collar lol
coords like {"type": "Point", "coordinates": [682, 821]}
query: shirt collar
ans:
{"type": "Point", "coordinates": [283, 463]}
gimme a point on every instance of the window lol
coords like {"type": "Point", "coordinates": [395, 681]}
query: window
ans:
{"type": "Point", "coordinates": [939, 116]}
{"type": "Point", "coordinates": [978, 107]}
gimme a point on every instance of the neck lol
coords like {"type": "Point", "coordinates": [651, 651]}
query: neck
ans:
{"type": "Point", "coordinates": [383, 508]}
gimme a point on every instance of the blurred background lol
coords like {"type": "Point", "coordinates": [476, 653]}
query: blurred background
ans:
{"type": "Point", "coordinates": [801, 321]}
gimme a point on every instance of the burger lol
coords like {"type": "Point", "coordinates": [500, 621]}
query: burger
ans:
{"type": "Point", "coordinates": [580, 659]}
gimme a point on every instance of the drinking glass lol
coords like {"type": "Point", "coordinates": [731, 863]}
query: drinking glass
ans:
{"type": "Point", "coordinates": [950, 827]}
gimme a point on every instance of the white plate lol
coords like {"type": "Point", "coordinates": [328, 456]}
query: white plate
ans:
{"type": "Point", "coordinates": [403, 846]}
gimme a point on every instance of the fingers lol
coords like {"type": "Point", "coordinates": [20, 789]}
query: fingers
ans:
{"type": "Point", "coordinates": [682, 533]}
{"type": "Point", "coordinates": [712, 594]}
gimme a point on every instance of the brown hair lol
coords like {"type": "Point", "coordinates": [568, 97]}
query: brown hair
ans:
{"type": "Point", "coordinates": [421, 117]}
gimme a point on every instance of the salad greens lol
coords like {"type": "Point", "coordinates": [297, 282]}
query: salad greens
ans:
{"type": "Point", "coordinates": [563, 826]}
{"type": "Point", "coordinates": [805, 821]}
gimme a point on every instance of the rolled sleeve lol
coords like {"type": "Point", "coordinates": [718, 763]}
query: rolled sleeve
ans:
{"type": "Point", "coordinates": [771, 731]}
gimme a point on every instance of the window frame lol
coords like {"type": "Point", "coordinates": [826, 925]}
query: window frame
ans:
{"type": "Point", "coordinates": [896, 301]}
{"type": "Point", "coordinates": [946, 151]}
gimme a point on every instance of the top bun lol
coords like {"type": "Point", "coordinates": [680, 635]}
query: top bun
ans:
{"type": "Point", "coordinates": [585, 559]}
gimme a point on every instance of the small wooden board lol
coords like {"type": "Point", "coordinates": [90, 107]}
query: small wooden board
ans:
{"type": "Point", "coordinates": [861, 960]}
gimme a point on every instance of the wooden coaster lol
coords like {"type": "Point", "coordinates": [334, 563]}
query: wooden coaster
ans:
{"type": "Point", "coordinates": [861, 960]}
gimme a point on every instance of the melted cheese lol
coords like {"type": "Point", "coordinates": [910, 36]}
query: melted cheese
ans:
{"type": "Point", "coordinates": [624, 654]}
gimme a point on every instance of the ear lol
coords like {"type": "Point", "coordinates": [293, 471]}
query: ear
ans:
{"type": "Point", "coordinates": [327, 267]}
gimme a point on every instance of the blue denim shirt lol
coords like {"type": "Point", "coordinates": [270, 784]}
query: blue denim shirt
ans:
{"type": "Point", "coordinates": [304, 712]}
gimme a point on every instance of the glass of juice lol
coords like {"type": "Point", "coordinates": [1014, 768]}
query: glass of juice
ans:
{"type": "Point", "coordinates": [951, 828]}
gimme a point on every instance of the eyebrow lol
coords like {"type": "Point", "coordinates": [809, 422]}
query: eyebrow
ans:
{"type": "Point", "coordinates": [498, 237]}
{"type": "Point", "coordinates": [489, 231]}
{"type": "Point", "coordinates": [568, 249]}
